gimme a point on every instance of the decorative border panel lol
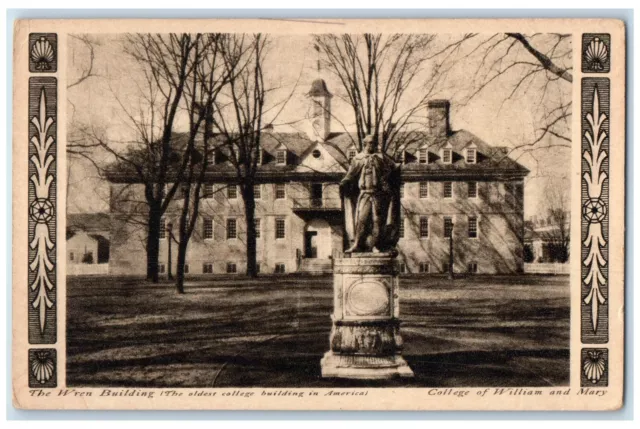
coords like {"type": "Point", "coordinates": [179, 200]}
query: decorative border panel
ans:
{"type": "Point", "coordinates": [43, 52]}
{"type": "Point", "coordinates": [595, 210]}
{"type": "Point", "coordinates": [594, 368]}
{"type": "Point", "coordinates": [596, 53]}
{"type": "Point", "coordinates": [42, 170]}
{"type": "Point", "coordinates": [43, 365]}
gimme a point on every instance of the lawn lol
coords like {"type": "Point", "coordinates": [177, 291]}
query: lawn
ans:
{"type": "Point", "coordinates": [272, 332]}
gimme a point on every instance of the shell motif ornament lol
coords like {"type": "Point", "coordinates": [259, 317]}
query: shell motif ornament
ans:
{"type": "Point", "coordinates": [593, 366]}
{"type": "Point", "coordinates": [42, 366]}
{"type": "Point", "coordinates": [596, 54]}
{"type": "Point", "coordinates": [42, 54]}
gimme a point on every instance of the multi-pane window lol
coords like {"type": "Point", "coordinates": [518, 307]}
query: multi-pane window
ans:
{"type": "Point", "coordinates": [447, 189]}
{"type": "Point", "coordinates": [351, 154]}
{"type": "Point", "coordinates": [448, 226]}
{"type": "Point", "coordinates": [280, 268]}
{"type": "Point", "coordinates": [446, 156]}
{"type": "Point", "coordinates": [281, 157]}
{"type": "Point", "coordinates": [207, 228]}
{"type": "Point", "coordinates": [401, 228]}
{"type": "Point", "coordinates": [471, 155]}
{"type": "Point", "coordinates": [445, 267]}
{"type": "Point", "coordinates": [402, 190]}
{"type": "Point", "coordinates": [186, 268]}
{"type": "Point", "coordinates": [280, 194]}
{"type": "Point", "coordinates": [231, 268]}
{"type": "Point", "coordinates": [161, 268]}
{"type": "Point", "coordinates": [280, 228]}
{"type": "Point", "coordinates": [163, 228]}
{"type": "Point", "coordinates": [257, 192]}
{"type": "Point", "coordinates": [207, 268]}
{"type": "Point", "coordinates": [472, 267]}
{"type": "Point", "coordinates": [232, 228]}
{"type": "Point", "coordinates": [256, 222]}
{"type": "Point", "coordinates": [424, 227]}
{"type": "Point", "coordinates": [71, 256]}
{"type": "Point", "coordinates": [472, 189]}
{"type": "Point", "coordinates": [232, 192]}
{"type": "Point", "coordinates": [184, 189]}
{"type": "Point", "coordinates": [473, 227]}
{"type": "Point", "coordinates": [424, 267]}
{"type": "Point", "coordinates": [424, 189]}
{"type": "Point", "coordinates": [403, 267]}
{"type": "Point", "coordinates": [519, 193]}
{"type": "Point", "coordinates": [509, 193]}
{"type": "Point", "coordinates": [260, 156]}
{"type": "Point", "coordinates": [423, 156]}
{"type": "Point", "coordinates": [208, 190]}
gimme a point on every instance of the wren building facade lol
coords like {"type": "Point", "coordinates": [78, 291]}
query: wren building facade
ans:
{"type": "Point", "coordinates": [455, 187]}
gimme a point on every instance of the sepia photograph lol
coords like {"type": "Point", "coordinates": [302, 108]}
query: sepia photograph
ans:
{"type": "Point", "coordinates": [318, 210]}
{"type": "Point", "coordinates": [347, 214]}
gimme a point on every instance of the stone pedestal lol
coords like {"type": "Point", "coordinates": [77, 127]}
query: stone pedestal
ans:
{"type": "Point", "coordinates": [365, 339]}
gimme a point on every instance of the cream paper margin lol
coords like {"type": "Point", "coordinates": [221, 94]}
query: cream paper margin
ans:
{"type": "Point", "coordinates": [376, 398]}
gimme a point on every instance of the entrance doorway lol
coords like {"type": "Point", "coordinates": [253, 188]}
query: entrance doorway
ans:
{"type": "Point", "coordinates": [311, 244]}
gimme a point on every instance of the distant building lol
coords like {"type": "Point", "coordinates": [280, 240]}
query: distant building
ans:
{"type": "Point", "coordinates": [548, 237]}
{"type": "Point", "coordinates": [88, 238]}
{"type": "Point", "coordinates": [453, 181]}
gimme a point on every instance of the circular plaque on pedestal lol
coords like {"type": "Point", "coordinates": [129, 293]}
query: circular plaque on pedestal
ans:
{"type": "Point", "coordinates": [367, 298]}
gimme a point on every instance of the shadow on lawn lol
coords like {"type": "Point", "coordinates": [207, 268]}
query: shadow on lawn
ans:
{"type": "Point", "coordinates": [462, 369]}
{"type": "Point", "coordinates": [273, 332]}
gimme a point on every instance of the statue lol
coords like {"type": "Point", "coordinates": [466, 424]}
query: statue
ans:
{"type": "Point", "coordinates": [365, 340]}
{"type": "Point", "coordinates": [370, 192]}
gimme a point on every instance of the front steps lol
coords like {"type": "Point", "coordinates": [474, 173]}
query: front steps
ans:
{"type": "Point", "coordinates": [315, 266]}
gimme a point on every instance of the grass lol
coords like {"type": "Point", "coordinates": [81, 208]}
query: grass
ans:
{"type": "Point", "coordinates": [273, 331]}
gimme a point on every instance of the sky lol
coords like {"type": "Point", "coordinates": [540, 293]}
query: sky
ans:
{"type": "Point", "coordinates": [105, 100]}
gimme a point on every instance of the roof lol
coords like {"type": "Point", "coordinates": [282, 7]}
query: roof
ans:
{"type": "Point", "coordinates": [319, 89]}
{"type": "Point", "coordinates": [490, 161]}
{"type": "Point", "coordinates": [89, 222]}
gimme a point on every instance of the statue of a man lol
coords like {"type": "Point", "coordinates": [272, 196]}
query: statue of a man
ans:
{"type": "Point", "coordinates": [371, 194]}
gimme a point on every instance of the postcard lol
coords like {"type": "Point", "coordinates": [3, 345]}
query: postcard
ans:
{"type": "Point", "coordinates": [302, 215]}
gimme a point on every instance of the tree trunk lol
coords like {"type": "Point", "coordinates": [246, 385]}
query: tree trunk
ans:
{"type": "Point", "coordinates": [182, 256]}
{"type": "Point", "coordinates": [153, 243]}
{"type": "Point", "coordinates": [250, 216]}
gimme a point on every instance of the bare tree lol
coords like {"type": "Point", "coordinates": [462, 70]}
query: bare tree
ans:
{"type": "Point", "coordinates": [237, 117]}
{"type": "Point", "coordinates": [201, 91]}
{"type": "Point", "coordinates": [556, 234]}
{"type": "Point", "coordinates": [166, 63]}
{"type": "Point", "coordinates": [377, 73]}
{"type": "Point", "coordinates": [537, 66]}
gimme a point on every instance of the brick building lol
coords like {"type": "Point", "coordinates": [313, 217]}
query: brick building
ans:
{"type": "Point", "coordinates": [452, 181]}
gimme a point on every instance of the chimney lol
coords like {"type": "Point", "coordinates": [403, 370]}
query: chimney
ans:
{"type": "Point", "coordinates": [438, 116]}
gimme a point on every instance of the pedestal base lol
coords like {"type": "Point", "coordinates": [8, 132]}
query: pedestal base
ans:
{"type": "Point", "coordinates": [364, 367]}
{"type": "Point", "coordinates": [365, 340]}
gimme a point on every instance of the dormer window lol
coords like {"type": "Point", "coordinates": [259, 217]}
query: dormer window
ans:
{"type": "Point", "coordinates": [401, 154]}
{"type": "Point", "coordinates": [423, 156]}
{"type": "Point", "coordinates": [447, 155]}
{"type": "Point", "coordinates": [260, 156]}
{"type": "Point", "coordinates": [211, 157]}
{"type": "Point", "coordinates": [402, 157]}
{"type": "Point", "coordinates": [472, 155]}
{"type": "Point", "coordinates": [281, 157]}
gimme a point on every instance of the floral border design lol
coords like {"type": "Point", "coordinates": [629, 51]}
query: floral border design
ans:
{"type": "Point", "coordinates": [595, 209]}
{"type": "Point", "coordinates": [42, 209]}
